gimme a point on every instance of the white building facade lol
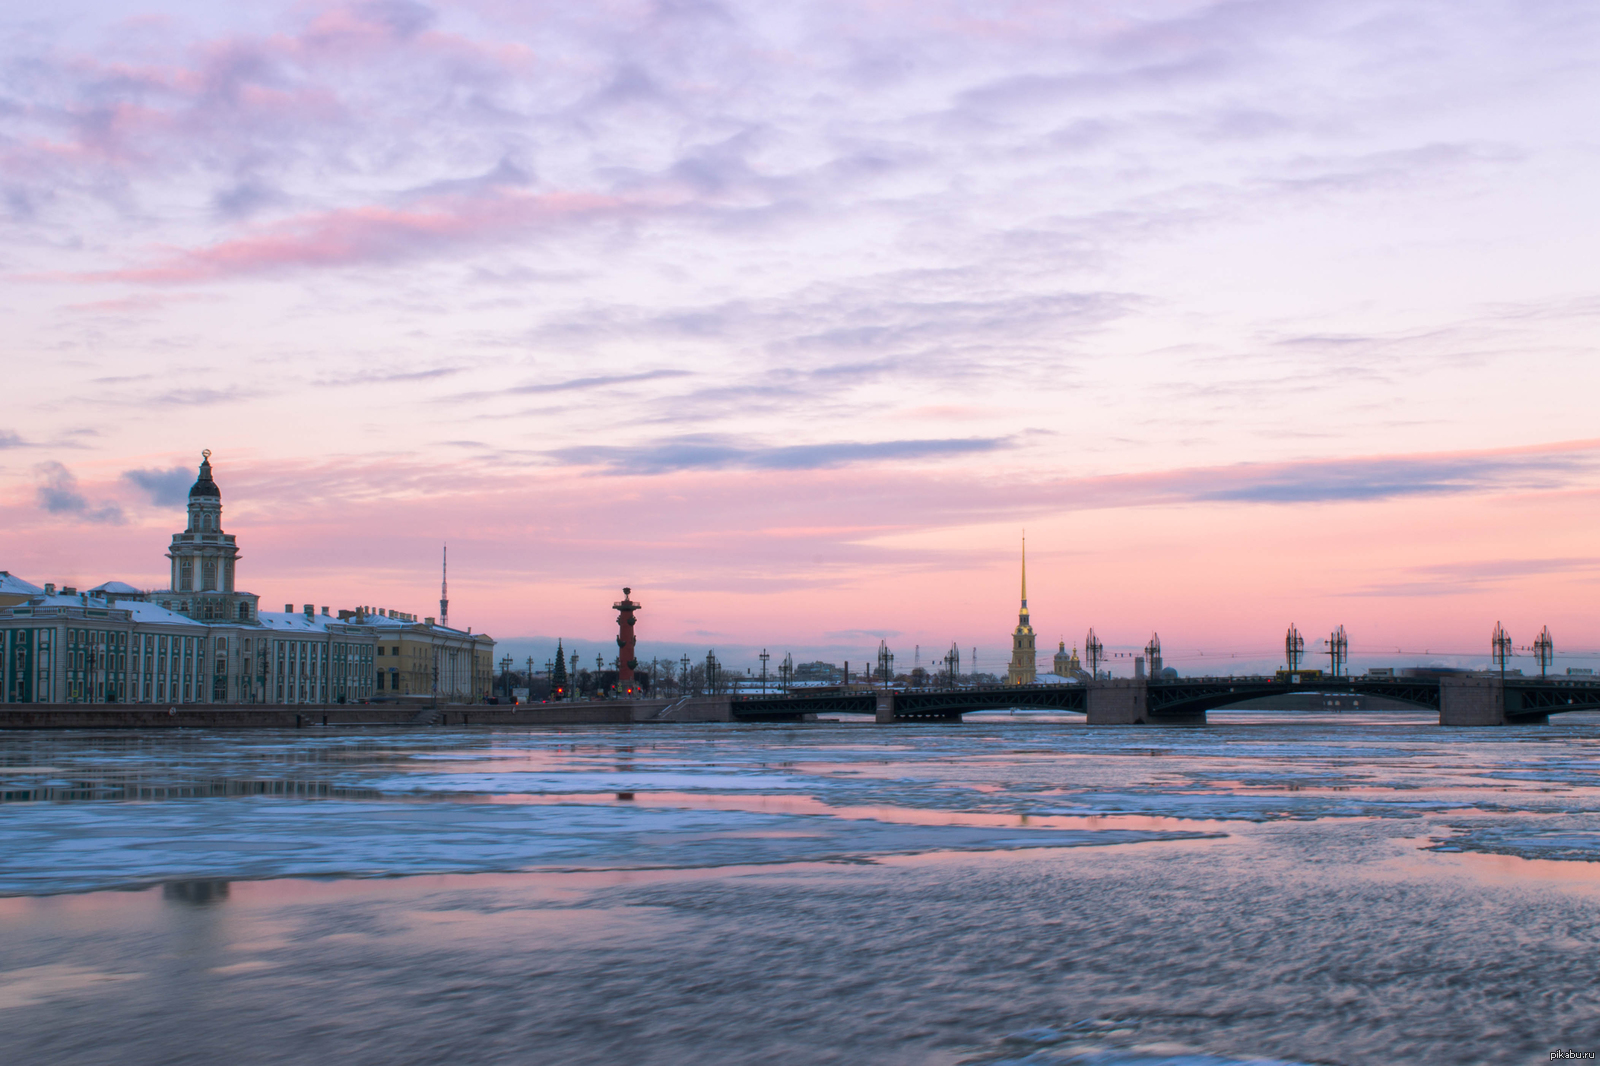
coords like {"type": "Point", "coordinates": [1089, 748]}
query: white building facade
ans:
{"type": "Point", "coordinates": [203, 641]}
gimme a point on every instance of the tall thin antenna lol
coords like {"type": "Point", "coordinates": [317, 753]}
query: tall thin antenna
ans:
{"type": "Point", "coordinates": [444, 590]}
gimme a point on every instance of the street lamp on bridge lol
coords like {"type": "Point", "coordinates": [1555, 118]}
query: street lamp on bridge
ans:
{"type": "Point", "coordinates": [1545, 649]}
{"type": "Point", "coordinates": [1500, 644]}
{"type": "Point", "coordinates": [1294, 648]}
{"type": "Point", "coordinates": [1338, 651]}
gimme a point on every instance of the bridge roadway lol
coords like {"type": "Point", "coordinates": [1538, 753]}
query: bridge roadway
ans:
{"type": "Point", "coordinates": [1459, 699]}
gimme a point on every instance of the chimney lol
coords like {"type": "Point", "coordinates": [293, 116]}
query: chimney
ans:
{"type": "Point", "coordinates": [310, 611]}
{"type": "Point", "coordinates": [344, 616]}
{"type": "Point", "coordinates": [49, 588]}
{"type": "Point", "coordinates": [69, 591]}
{"type": "Point", "coordinates": [288, 608]}
{"type": "Point", "coordinates": [324, 612]}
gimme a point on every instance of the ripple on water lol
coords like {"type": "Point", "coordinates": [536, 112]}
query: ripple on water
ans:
{"type": "Point", "coordinates": [1101, 1042]}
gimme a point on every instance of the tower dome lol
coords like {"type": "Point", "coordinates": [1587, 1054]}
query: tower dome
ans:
{"type": "Point", "coordinates": [204, 558]}
{"type": "Point", "coordinates": [203, 485]}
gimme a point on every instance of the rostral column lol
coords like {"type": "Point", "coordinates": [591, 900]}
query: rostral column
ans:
{"type": "Point", "coordinates": [625, 642]}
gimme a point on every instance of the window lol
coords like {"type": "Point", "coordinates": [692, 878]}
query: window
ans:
{"type": "Point", "coordinates": [208, 573]}
{"type": "Point", "coordinates": [186, 575]}
{"type": "Point", "coordinates": [244, 612]}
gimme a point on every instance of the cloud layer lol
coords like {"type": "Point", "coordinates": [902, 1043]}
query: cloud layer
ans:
{"type": "Point", "coordinates": [777, 301]}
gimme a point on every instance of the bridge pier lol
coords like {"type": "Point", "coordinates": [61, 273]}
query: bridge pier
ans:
{"type": "Point", "coordinates": [1119, 702]}
{"type": "Point", "coordinates": [885, 709]}
{"type": "Point", "coordinates": [1475, 701]}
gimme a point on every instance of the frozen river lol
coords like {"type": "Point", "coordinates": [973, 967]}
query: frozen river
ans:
{"type": "Point", "coordinates": [1353, 889]}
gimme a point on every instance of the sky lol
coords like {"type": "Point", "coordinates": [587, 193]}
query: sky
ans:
{"type": "Point", "coordinates": [793, 317]}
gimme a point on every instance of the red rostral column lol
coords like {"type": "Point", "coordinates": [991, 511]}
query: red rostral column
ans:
{"type": "Point", "coordinates": [625, 660]}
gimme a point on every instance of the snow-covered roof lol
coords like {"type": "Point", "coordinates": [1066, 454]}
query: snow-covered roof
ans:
{"type": "Point", "coordinates": [297, 621]}
{"type": "Point", "coordinates": [117, 588]}
{"type": "Point", "coordinates": [153, 612]}
{"type": "Point", "coordinates": [136, 610]}
{"type": "Point", "coordinates": [15, 586]}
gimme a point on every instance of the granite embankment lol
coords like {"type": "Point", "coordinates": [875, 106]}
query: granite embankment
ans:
{"type": "Point", "coordinates": [225, 716]}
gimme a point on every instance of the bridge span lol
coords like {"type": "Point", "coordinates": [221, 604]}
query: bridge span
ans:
{"type": "Point", "coordinates": [1458, 699]}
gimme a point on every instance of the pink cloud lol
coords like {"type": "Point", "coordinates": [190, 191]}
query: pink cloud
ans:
{"type": "Point", "coordinates": [1202, 555]}
{"type": "Point", "coordinates": [367, 235]}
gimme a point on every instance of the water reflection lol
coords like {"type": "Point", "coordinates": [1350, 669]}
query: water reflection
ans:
{"type": "Point", "coordinates": [195, 893]}
{"type": "Point", "coordinates": [800, 895]}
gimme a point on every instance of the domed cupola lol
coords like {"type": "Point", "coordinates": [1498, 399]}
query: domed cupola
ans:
{"type": "Point", "coordinates": [204, 557]}
{"type": "Point", "coordinates": [203, 485]}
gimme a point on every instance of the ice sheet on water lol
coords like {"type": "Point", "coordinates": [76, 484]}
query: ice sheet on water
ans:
{"type": "Point", "coordinates": [79, 847]}
{"type": "Point", "coordinates": [1224, 805]}
{"type": "Point", "coordinates": [1571, 840]}
{"type": "Point", "coordinates": [568, 783]}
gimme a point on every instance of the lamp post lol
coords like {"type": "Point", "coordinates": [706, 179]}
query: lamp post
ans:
{"type": "Point", "coordinates": [1500, 643]}
{"type": "Point", "coordinates": [505, 676]}
{"type": "Point", "coordinates": [763, 657]}
{"type": "Point", "coordinates": [1294, 648]}
{"type": "Point", "coordinates": [1093, 653]}
{"type": "Point", "coordinates": [1545, 649]}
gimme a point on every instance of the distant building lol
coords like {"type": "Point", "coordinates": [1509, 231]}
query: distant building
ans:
{"type": "Point", "coordinates": [201, 640]}
{"type": "Point", "coordinates": [1024, 669]}
{"type": "Point", "coordinates": [1067, 665]}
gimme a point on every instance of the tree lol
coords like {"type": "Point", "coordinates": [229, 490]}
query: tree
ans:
{"type": "Point", "coordinates": [558, 671]}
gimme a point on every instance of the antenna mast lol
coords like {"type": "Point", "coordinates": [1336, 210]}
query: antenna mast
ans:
{"type": "Point", "coordinates": [444, 590]}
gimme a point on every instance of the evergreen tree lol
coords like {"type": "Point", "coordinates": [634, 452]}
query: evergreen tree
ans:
{"type": "Point", "coordinates": [558, 669]}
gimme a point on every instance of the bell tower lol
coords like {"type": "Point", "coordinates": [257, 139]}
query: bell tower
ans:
{"type": "Point", "coordinates": [203, 559]}
{"type": "Point", "coordinates": [1024, 668]}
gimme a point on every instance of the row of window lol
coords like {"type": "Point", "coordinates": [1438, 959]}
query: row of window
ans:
{"type": "Point", "coordinates": [209, 569]}
{"type": "Point", "coordinates": [104, 665]}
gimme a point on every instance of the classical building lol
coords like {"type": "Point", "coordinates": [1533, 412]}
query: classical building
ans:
{"type": "Point", "coordinates": [1067, 665]}
{"type": "Point", "coordinates": [1024, 668]}
{"type": "Point", "coordinates": [203, 559]}
{"type": "Point", "coordinates": [203, 641]}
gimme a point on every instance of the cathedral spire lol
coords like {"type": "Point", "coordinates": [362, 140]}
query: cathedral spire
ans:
{"type": "Point", "coordinates": [1024, 613]}
{"type": "Point", "coordinates": [1024, 667]}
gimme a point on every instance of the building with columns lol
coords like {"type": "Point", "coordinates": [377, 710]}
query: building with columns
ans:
{"type": "Point", "coordinates": [202, 640]}
{"type": "Point", "coordinates": [203, 559]}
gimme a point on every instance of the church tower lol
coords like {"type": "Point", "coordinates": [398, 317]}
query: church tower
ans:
{"type": "Point", "coordinates": [1024, 665]}
{"type": "Point", "coordinates": [203, 559]}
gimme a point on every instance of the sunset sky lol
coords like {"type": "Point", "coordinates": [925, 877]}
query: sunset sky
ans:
{"type": "Point", "coordinates": [793, 316]}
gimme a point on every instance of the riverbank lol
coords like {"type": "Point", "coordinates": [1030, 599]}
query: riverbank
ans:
{"type": "Point", "coordinates": [301, 716]}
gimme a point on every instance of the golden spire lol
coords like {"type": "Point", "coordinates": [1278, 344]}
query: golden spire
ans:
{"type": "Point", "coordinates": [1024, 573]}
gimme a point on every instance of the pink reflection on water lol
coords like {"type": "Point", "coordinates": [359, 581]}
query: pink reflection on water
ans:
{"type": "Point", "coordinates": [810, 805]}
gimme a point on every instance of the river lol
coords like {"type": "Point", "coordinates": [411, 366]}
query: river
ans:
{"type": "Point", "coordinates": [1352, 889]}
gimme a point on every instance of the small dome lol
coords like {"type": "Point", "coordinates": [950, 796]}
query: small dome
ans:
{"type": "Point", "coordinates": [203, 485]}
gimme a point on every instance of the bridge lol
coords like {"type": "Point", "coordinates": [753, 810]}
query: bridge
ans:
{"type": "Point", "coordinates": [1458, 699]}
